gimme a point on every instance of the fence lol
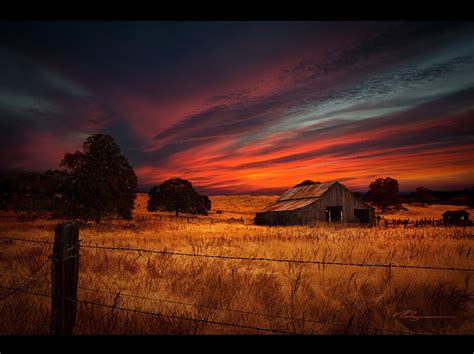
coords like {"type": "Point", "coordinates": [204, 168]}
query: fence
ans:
{"type": "Point", "coordinates": [407, 223]}
{"type": "Point", "coordinates": [65, 272]}
{"type": "Point", "coordinates": [382, 222]}
{"type": "Point", "coordinates": [193, 219]}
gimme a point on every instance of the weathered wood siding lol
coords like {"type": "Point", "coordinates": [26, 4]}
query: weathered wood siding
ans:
{"type": "Point", "coordinates": [336, 196]}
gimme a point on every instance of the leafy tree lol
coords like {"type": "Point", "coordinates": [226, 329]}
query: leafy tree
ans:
{"type": "Point", "coordinates": [178, 195]}
{"type": "Point", "coordinates": [57, 182]}
{"type": "Point", "coordinates": [306, 183]}
{"type": "Point", "coordinates": [97, 181]}
{"type": "Point", "coordinates": [383, 192]}
{"type": "Point", "coordinates": [25, 193]}
{"type": "Point", "coordinates": [5, 192]}
{"type": "Point", "coordinates": [423, 196]}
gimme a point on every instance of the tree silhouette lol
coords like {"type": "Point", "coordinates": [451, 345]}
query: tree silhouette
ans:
{"type": "Point", "coordinates": [424, 196]}
{"type": "Point", "coordinates": [306, 182]}
{"type": "Point", "coordinates": [25, 193]}
{"type": "Point", "coordinates": [99, 181]}
{"type": "Point", "coordinates": [178, 195]}
{"type": "Point", "coordinates": [383, 192]}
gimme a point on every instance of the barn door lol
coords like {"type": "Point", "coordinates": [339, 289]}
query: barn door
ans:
{"type": "Point", "coordinates": [334, 214]}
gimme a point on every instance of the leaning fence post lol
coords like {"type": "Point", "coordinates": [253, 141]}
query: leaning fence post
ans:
{"type": "Point", "coordinates": [64, 275]}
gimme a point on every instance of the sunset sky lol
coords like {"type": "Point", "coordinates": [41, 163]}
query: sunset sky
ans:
{"type": "Point", "coordinates": [245, 107]}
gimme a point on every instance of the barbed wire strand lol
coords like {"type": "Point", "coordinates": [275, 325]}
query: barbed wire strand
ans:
{"type": "Point", "coordinates": [25, 240]}
{"type": "Point", "coordinates": [25, 282]}
{"type": "Point", "coordinates": [158, 314]}
{"type": "Point", "coordinates": [237, 311]}
{"type": "Point", "coordinates": [242, 311]}
{"type": "Point", "coordinates": [323, 263]}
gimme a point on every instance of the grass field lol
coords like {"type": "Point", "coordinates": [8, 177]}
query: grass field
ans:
{"type": "Point", "coordinates": [332, 299]}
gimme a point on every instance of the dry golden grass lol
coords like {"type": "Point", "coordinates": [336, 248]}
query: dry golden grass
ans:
{"type": "Point", "coordinates": [418, 212]}
{"type": "Point", "coordinates": [223, 207]}
{"type": "Point", "coordinates": [371, 297]}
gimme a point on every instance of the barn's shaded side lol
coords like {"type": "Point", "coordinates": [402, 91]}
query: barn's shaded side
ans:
{"type": "Point", "coordinates": [306, 205]}
{"type": "Point", "coordinates": [456, 217]}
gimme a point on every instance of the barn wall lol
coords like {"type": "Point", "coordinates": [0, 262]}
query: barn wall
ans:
{"type": "Point", "coordinates": [277, 218]}
{"type": "Point", "coordinates": [338, 195]}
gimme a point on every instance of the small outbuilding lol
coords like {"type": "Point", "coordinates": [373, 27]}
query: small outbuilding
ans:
{"type": "Point", "coordinates": [455, 217]}
{"type": "Point", "coordinates": [305, 205]}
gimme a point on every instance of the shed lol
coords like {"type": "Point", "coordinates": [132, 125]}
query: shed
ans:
{"type": "Point", "coordinates": [455, 217]}
{"type": "Point", "coordinates": [331, 202]}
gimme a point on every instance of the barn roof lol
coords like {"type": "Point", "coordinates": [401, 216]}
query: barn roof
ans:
{"type": "Point", "coordinates": [298, 197]}
{"type": "Point", "coordinates": [305, 192]}
{"type": "Point", "coordinates": [455, 212]}
{"type": "Point", "coordinates": [288, 205]}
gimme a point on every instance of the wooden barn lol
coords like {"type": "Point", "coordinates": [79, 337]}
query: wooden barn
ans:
{"type": "Point", "coordinates": [305, 205]}
{"type": "Point", "coordinates": [456, 217]}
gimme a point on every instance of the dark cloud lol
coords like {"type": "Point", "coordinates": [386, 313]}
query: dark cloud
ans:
{"type": "Point", "coordinates": [35, 100]}
{"type": "Point", "coordinates": [389, 42]}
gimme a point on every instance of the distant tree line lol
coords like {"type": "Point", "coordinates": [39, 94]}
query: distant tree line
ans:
{"type": "Point", "coordinates": [384, 193]}
{"type": "Point", "coordinates": [30, 195]}
{"type": "Point", "coordinates": [425, 196]}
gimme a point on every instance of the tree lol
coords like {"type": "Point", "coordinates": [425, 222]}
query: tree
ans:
{"type": "Point", "coordinates": [178, 195]}
{"type": "Point", "coordinates": [423, 196]}
{"type": "Point", "coordinates": [26, 194]}
{"type": "Point", "coordinates": [306, 183]}
{"type": "Point", "coordinates": [5, 192]}
{"type": "Point", "coordinates": [98, 181]}
{"type": "Point", "coordinates": [383, 192]}
{"type": "Point", "coordinates": [57, 183]}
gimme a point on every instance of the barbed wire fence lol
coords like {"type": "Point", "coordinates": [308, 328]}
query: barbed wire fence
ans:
{"type": "Point", "coordinates": [64, 252]}
{"type": "Point", "coordinates": [174, 302]}
{"type": "Point", "coordinates": [417, 223]}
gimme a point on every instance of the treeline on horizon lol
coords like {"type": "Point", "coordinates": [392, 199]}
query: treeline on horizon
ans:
{"type": "Point", "coordinates": [460, 197]}
{"type": "Point", "coordinates": [453, 197]}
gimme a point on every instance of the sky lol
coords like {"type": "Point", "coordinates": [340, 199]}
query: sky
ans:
{"type": "Point", "coordinates": [245, 107]}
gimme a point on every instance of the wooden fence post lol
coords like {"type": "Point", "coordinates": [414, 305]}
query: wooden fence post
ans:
{"type": "Point", "coordinates": [64, 275]}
